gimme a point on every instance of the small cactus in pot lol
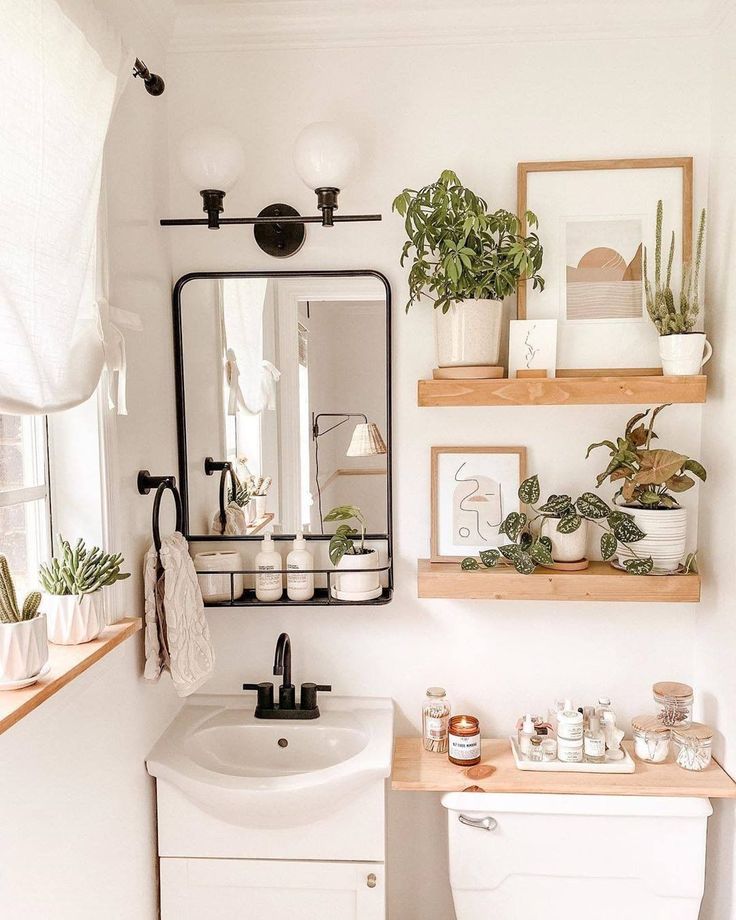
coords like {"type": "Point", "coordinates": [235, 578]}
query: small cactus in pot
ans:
{"type": "Point", "coordinates": [73, 582]}
{"type": "Point", "coordinates": [23, 640]}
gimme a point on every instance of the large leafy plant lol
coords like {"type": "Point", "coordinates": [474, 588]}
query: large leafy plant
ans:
{"type": "Point", "coordinates": [343, 541]}
{"type": "Point", "coordinates": [670, 314]}
{"type": "Point", "coordinates": [461, 250]}
{"type": "Point", "coordinates": [528, 549]}
{"type": "Point", "coordinates": [648, 476]}
{"type": "Point", "coordinates": [81, 570]}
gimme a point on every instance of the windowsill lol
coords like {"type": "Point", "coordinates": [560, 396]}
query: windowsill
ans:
{"type": "Point", "coordinates": [67, 662]}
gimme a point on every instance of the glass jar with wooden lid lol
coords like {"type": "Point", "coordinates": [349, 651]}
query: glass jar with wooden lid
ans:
{"type": "Point", "coordinates": [651, 738]}
{"type": "Point", "coordinates": [464, 741]}
{"type": "Point", "coordinates": [674, 703]}
{"type": "Point", "coordinates": [693, 746]}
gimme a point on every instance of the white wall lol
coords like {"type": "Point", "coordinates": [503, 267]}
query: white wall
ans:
{"type": "Point", "coordinates": [417, 110]}
{"type": "Point", "coordinates": [77, 829]}
{"type": "Point", "coordinates": [716, 623]}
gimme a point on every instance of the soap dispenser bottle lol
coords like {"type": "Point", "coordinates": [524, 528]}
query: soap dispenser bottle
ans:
{"type": "Point", "coordinates": [528, 731]}
{"type": "Point", "coordinates": [299, 583]}
{"type": "Point", "coordinates": [594, 744]}
{"type": "Point", "coordinates": [269, 582]}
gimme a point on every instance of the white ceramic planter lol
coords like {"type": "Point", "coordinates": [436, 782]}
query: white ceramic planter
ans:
{"type": "Point", "coordinates": [566, 547]}
{"type": "Point", "coordinates": [469, 333]}
{"type": "Point", "coordinates": [684, 354]}
{"type": "Point", "coordinates": [217, 587]}
{"type": "Point", "coordinates": [260, 506]}
{"type": "Point", "coordinates": [351, 583]}
{"type": "Point", "coordinates": [24, 649]}
{"type": "Point", "coordinates": [73, 619]}
{"type": "Point", "coordinates": [666, 536]}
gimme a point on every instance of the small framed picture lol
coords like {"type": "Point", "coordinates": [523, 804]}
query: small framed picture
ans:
{"type": "Point", "coordinates": [473, 489]}
{"type": "Point", "coordinates": [533, 346]}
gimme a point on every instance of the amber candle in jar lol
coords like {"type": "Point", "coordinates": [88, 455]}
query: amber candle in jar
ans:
{"type": "Point", "coordinates": [464, 741]}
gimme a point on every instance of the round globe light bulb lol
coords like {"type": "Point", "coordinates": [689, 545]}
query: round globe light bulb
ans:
{"type": "Point", "coordinates": [211, 158]}
{"type": "Point", "coordinates": [325, 155]}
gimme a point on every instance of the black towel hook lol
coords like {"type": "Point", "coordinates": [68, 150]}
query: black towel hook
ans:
{"type": "Point", "coordinates": [226, 469]}
{"type": "Point", "coordinates": [161, 484]}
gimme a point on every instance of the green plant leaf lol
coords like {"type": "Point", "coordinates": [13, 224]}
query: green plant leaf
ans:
{"type": "Point", "coordinates": [691, 563]}
{"type": "Point", "coordinates": [697, 469]}
{"type": "Point", "coordinates": [639, 566]}
{"type": "Point", "coordinates": [569, 523]}
{"type": "Point", "coordinates": [680, 483]}
{"type": "Point", "coordinates": [556, 505]}
{"type": "Point", "coordinates": [489, 557]}
{"type": "Point", "coordinates": [513, 525]}
{"type": "Point", "coordinates": [656, 466]}
{"type": "Point", "coordinates": [524, 564]}
{"type": "Point", "coordinates": [591, 506]}
{"type": "Point", "coordinates": [529, 490]}
{"type": "Point", "coordinates": [626, 531]}
{"type": "Point", "coordinates": [609, 545]}
{"type": "Point", "coordinates": [540, 553]}
{"type": "Point", "coordinates": [469, 564]}
{"type": "Point", "coordinates": [510, 551]}
{"type": "Point", "coordinates": [609, 444]}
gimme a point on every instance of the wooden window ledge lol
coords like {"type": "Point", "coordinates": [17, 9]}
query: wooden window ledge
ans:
{"type": "Point", "coordinates": [67, 662]}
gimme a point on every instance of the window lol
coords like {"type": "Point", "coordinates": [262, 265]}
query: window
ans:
{"type": "Point", "coordinates": [25, 518]}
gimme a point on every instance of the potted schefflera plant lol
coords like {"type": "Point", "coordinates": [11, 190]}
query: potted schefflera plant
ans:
{"type": "Point", "coordinates": [649, 479]}
{"type": "Point", "coordinates": [348, 551]}
{"type": "Point", "coordinates": [73, 583]}
{"type": "Point", "coordinates": [24, 648]}
{"type": "Point", "coordinates": [466, 260]}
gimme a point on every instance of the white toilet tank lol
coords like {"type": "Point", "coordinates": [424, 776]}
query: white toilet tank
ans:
{"type": "Point", "coordinates": [576, 857]}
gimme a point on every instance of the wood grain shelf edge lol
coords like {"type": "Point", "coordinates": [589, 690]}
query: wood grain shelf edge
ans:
{"type": "Point", "coordinates": [599, 582]}
{"type": "Point", "coordinates": [67, 662]}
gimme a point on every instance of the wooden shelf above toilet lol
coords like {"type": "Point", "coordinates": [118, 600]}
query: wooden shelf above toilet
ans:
{"type": "Point", "coordinates": [563, 391]}
{"type": "Point", "coordinates": [599, 582]}
{"type": "Point", "coordinates": [417, 770]}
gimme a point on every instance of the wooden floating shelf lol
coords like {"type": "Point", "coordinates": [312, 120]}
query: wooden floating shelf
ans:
{"type": "Point", "coordinates": [417, 770]}
{"type": "Point", "coordinates": [562, 391]}
{"type": "Point", "coordinates": [599, 582]}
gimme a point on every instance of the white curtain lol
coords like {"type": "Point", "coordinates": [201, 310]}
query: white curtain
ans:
{"type": "Point", "coordinates": [61, 66]}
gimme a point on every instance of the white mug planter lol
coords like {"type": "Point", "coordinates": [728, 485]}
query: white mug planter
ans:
{"type": "Point", "coordinates": [73, 619]}
{"type": "Point", "coordinates": [357, 586]}
{"type": "Point", "coordinates": [566, 547]}
{"type": "Point", "coordinates": [665, 540]}
{"type": "Point", "coordinates": [684, 354]}
{"type": "Point", "coordinates": [259, 502]}
{"type": "Point", "coordinates": [24, 650]}
{"type": "Point", "coordinates": [469, 334]}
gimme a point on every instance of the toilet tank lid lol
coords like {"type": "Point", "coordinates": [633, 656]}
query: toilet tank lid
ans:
{"type": "Point", "coordinates": [543, 804]}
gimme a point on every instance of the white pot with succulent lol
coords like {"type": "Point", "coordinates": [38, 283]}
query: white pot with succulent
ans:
{"type": "Point", "coordinates": [24, 648]}
{"type": "Point", "coordinates": [73, 583]}
{"type": "Point", "coordinates": [362, 582]}
{"type": "Point", "coordinates": [466, 261]}
{"type": "Point", "coordinates": [648, 478]}
{"type": "Point", "coordinates": [682, 350]}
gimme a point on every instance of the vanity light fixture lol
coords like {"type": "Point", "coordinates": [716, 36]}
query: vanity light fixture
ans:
{"type": "Point", "coordinates": [325, 156]}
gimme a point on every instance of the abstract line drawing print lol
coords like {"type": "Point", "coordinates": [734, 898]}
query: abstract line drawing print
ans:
{"type": "Point", "coordinates": [476, 508]}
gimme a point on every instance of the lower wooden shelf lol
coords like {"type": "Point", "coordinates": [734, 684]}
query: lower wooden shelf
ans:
{"type": "Point", "coordinates": [417, 770]}
{"type": "Point", "coordinates": [599, 582]}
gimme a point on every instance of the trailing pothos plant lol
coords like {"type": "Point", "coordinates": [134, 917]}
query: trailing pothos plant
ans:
{"type": "Point", "coordinates": [648, 476]}
{"type": "Point", "coordinates": [461, 250]}
{"type": "Point", "coordinates": [527, 549]}
{"type": "Point", "coordinates": [343, 541]}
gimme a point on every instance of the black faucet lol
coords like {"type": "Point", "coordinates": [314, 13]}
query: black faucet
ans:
{"type": "Point", "coordinates": [286, 707]}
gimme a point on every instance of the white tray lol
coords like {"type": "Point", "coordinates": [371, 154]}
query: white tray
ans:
{"type": "Point", "coordinates": [626, 765]}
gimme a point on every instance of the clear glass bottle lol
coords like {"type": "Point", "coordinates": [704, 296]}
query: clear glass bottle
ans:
{"type": "Point", "coordinates": [435, 720]}
{"type": "Point", "coordinates": [693, 746]}
{"type": "Point", "coordinates": [594, 742]}
{"type": "Point", "coordinates": [674, 703]}
{"type": "Point", "coordinates": [605, 712]}
{"type": "Point", "coordinates": [535, 749]}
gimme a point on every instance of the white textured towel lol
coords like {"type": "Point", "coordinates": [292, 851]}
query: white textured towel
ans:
{"type": "Point", "coordinates": [177, 633]}
{"type": "Point", "coordinates": [235, 524]}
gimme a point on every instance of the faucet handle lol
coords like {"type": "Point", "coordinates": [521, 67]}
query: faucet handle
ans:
{"type": "Point", "coordinates": [265, 694]}
{"type": "Point", "coordinates": [308, 699]}
{"type": "Point", "coordinates": [323, 688]}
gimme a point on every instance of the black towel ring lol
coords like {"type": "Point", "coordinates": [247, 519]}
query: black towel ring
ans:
{"type": "Point", "coordinates": [161, 484]}
{"type": "Point", "coordinates": [226, 469]}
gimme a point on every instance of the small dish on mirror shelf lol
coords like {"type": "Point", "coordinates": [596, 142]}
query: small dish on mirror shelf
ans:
{"type": "Point", "coordinates": [27, 681]}
{"type": "Point", "coordinates": [356, 595]}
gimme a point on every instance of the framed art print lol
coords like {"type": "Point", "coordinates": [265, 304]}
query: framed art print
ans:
{"type": "Point", "coordinates": [532, 346]}
{"type": "Point", "coordinates": [596, 218]}
{"type": "Point", "coordinates": [473, 489]}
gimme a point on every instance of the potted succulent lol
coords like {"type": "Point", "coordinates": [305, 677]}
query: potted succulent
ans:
{"type": "Point", "coordinates": [347, 553]}
{"type": "Point", "coordinates": [24, 648]}
{"type": "Point", "coordinates": [556, 531]}
{"type": "Point", "coordinates": [649, 478]}
{"type": "Point", "coordinates": [680, 348]}
{"type": "Point", "coordinates": [73, 583]}
{"type": "Point", "coordinates": [465, 260]}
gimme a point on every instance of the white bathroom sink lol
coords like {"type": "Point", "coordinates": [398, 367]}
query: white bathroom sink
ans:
{"type": "Point", "coordinates": [273, 773]}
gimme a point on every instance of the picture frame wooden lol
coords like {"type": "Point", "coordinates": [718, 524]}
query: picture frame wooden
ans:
{"type": "Point", "coordinates": [513, 467]}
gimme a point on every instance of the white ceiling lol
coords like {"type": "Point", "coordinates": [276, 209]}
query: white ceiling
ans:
{"type": "Point", "coordinates": [213, 25]}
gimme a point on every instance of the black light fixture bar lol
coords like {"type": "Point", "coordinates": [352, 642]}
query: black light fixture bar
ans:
{"type": "Point", "coordinates": [286, 219]}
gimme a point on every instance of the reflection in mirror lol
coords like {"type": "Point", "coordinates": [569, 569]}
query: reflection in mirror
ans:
{"type": "Point", "coordinates": [285, 385]}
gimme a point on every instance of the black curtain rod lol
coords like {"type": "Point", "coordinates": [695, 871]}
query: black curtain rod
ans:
{"type": "Point", "coordinates": [152, 81]}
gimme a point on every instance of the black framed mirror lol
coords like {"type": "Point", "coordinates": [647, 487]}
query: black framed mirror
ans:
{"type": "Point", "coordinates": [283, 398]}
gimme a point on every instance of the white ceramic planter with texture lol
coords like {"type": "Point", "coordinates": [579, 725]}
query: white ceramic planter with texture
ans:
{"type": "Point", "coordinates": [469, 333]}
{"type": "Point", "coordinates": [73, 619]}
{"type": "Point", "coordinates": [566, 547]}
{"type": "Point", "coordinates": [684, 354]}
{"type": "Point", "coordinates": [665, 540]}
{"type": "Point", "coordinates": [24, 649]}
{"type": "Point", "coordinates": [358, 582]}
